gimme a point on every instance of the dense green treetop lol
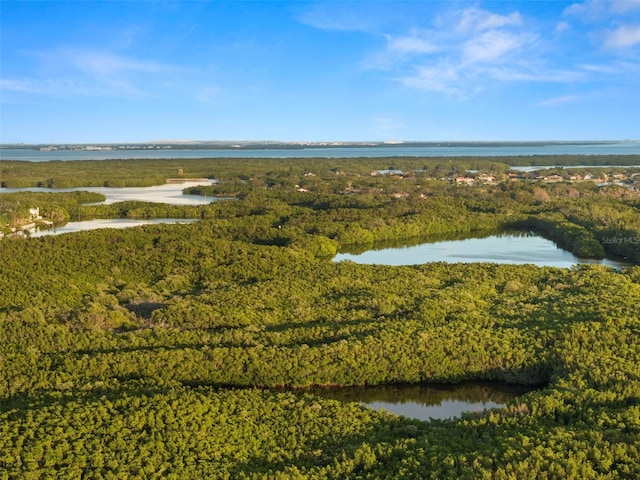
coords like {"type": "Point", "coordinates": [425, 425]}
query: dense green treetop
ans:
{"type": "Point", "coordinates": [136, 353]}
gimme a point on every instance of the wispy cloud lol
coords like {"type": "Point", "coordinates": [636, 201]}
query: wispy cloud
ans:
{"type": "Point", "coordinates": [461, 51]}
{"type": "Point", "coordinates": [88, 72]}
{"type": "Point", "coordinates": [600, 15]}
{"type": "Point", "coordinates": [625, 6]}
{"type": "Point", "coordinates": [552, 102]}
{"type": "Point", "coordinates": [45, 86]}
{"type": "Point", "coordinates": [402, 48]}
{"type": "Point", "coordinates": [624, 36]}
{"type": "Point", "coordinates": [105, 63]}
{"type": "Point", "coordinates": [599, 10]}
{"type": "Point", "coordinates": [416, 43]}
{"type": "Point", "coordinates": [530, 73]}
{"type": "Point", "coordinates": [441, 78]}
{"type": "Point", "coordinates": [19, 85]}
{"type": "Point", "coordinates": [463, 59]}
{"type": "Point", "coordinates": [586, 11]}
{"type": "Point", "coordinates": [493, 45]}
{"type": "Point", "coordinates": [562, 27]}
{"type": "Point", "coordinates": [477, 20]}
{"type": "Point", "coordinates": [340, 17]}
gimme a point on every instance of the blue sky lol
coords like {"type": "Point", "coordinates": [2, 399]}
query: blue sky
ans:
{"type": "Point", "coordinates": [83, 72]}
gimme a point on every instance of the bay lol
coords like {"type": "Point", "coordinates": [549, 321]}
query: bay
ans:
{"type": "Point", "coordinates": [375, 151]}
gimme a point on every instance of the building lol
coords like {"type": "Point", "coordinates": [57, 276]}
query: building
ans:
{"type": "Point", "coordinates": [34, 213]}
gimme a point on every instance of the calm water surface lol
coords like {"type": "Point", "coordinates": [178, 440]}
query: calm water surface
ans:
{"type": "Point", "coordinates": [512, 248]}
{"type": "Point", "coordinates": [425, 402]}
{"type": "Point", "coordinates": [605, 148]}
{"type": "Point", "coordinates": [170, 193]}
{"type": "Point", "coordinates": [102, 223]}
{"type": "Point", "coordinates": [535, 168]}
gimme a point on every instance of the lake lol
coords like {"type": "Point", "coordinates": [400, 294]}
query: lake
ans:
{"type": "Point", "coordinates": [430, 150]}
{"type": "Point", "coordinates": [509, 247]}
{"type": "Point", "coordinates": [170, 193]}
{"type": "Point", "coordinates": [427, 401]}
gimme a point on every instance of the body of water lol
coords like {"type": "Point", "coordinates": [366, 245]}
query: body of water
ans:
{"type": "Point", "coordinates": [426, 402]}
{"type": "Point", "coordinates": [170, 193]}
{"type": "Point", "coordinates": [472, 150]}
{"type": "Point", "coordinates": [101, 223]}
{"type": "Point", "coordinates": [535, 168]}
{"type": "Point", "coordinates": [511, 248]}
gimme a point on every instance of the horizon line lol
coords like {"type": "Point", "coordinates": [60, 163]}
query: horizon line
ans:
{"type": "Point", "coordinates": [390, 143]}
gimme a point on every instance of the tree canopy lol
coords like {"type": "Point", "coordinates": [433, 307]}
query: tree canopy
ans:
{"type": "Point", "coordinates": [156, 351]}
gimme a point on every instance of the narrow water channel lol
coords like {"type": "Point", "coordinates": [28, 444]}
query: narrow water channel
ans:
{"type": "Point", "coordinates": [426, 402]}
{"type": "Point", "coordinates": [85, 225]}
{"type": "Point", "coordinates": [170, 193]}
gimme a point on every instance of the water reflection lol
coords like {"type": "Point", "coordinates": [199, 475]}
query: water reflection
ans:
{"type": "Point", "coordinates": [505, 247]}
{"type": "Point", "coordinates": [170, 193]}
{"type": "Point", "coordinates": [102, 223]}
{"type": "Point", "coordinates": [425, 402]}
{"type": "Point", "coordinates": [358, 249]}
{"type": "Point", "coordinates": [535, 168]}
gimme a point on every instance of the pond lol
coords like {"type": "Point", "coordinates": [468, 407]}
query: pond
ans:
{"type": "Point", "coordinates": [505, 247]}
{"type": "Point", "coordinates": [428, 401]}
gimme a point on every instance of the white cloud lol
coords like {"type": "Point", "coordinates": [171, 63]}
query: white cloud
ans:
{"type": "Point", "coordinates": [625, 36]}
{"type": "Point", "coordinates": [578, 9]}
{"type": "Point", "coordinates": [412, 44]}
{"type": "Point", "coordinates": [464, 59]}
{"type": "Point", "coordinates": [402, 48]}
{"type": "Point", "coordinates": [620, 69]}
{"type": "Point", "coordinates": [599, 10]}
{"type": "Point", "coordinates": [624, 6]}
{"type": "Point", "coordinates": [528, 73]}
{"type": "Point", "coordinates": [340, 16]}
{"type": "Point", "coordinates": [73, 71]}
{"type": "Point", "coordinates": [562, 27]}
{"type": "Point", "coordinates": [44, 86]}
{"type": "Point", "coordinates": [607, 69]}
{"type": "Point", "coordinates": [459, 60]}
{"type": "Point", "coordinates": [103, 63]}
{"type": "Point", "coordinates": [462, 51]}
{"type": "Point", "coordinates": [605, 14]}
{"type": "Point", "coordinates": [477, 20]}
{"type": "Point", "coordinates": [552, 102]}
{"type": "Point", "coordinates": [589, 11]}
{"type": "Point", "coordinates": [493, 44]}
{"type": "Point", "coordinates": [439, 78]}
{"type": "Point", "coordinates": [18, 85]}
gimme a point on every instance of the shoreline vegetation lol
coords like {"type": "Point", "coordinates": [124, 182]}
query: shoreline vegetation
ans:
{"type": "Point", "coordinates": [118, 347]}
